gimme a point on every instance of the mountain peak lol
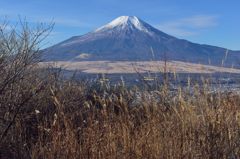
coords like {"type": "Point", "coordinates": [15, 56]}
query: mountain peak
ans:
{"type": "Point", "coordinates": [123, 22]}
{"type": "Point", "coordinates": [130, 38]}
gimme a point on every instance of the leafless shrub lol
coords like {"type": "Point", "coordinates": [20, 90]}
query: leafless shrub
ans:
{"type": "Point", "coordinates": [19, 53]}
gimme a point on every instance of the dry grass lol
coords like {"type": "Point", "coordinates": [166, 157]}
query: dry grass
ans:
{"type": "Point", "coordinates": [73, 120]}
{"type": "Point", "coordinates": [142, 67]}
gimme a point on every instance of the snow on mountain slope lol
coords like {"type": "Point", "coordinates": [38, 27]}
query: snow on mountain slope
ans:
{"type": "Point", "coordinates": [129, 38]}
{"type": "Point", "coordinates": [124, 22]}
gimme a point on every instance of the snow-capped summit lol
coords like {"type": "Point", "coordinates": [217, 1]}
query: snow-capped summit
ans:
{"type": "Point", "coordinates": [123, 22]}
{"type": "Point", "coordinates": [130, 38]}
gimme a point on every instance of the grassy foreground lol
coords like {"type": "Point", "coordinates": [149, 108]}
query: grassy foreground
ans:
{"type": "Point", "coordinates": [68, 119]}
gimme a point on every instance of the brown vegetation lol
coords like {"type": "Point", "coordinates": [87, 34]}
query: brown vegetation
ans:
{"type": "Point", "coordinates": [113, 67]}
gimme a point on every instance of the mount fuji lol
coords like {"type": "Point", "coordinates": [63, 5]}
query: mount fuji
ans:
{"type": "Point", "coordinates": [129, 38]}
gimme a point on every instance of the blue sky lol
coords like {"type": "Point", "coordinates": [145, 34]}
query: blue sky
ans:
{"type": "Point", "coordinates": [214, 22]}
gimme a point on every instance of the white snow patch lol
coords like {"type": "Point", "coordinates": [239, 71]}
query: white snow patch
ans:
{"type": "Point", "coordinates": [83, 56]}
{"type": "Point", "coordinates": [125, 21]}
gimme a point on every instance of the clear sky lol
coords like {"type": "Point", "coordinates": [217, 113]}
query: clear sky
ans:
{"type": "Point", "coordinates": [214, 22]}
